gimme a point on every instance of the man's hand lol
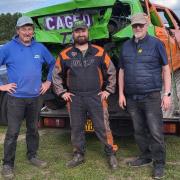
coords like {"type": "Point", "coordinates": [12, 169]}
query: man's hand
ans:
{"type": "Point", "coordinates": [122, 101]}
{"type": "Point", "coordinates": [104, 95]}
{"type": "Point", "coordinates": [45, 86]}
{"type": "Point", "coordinates": [166, 103]}
{"type": "Point", "coordinates": [67, 96]}
{"type": "Point", "coordinates": [11, 88]}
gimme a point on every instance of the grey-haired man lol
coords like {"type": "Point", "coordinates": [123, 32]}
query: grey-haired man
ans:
{"type": "Point", "coordinates": [24, 58]}
{"type": "Point", "coordinates": [140, 83]}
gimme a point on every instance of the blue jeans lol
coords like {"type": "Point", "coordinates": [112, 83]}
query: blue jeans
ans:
{"type": "Point", "coordinates": [146, 115]}
{"type": "Point", "coordinates": [17, 110]}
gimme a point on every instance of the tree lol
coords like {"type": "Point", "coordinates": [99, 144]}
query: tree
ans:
{"type": "Point", "coordinates": [7, 28]}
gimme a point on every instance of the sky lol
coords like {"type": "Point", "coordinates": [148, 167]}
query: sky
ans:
{"type": "Point", "coordinates": [13, 6]}
{"type": "Point", "coordinates": [25, 5]}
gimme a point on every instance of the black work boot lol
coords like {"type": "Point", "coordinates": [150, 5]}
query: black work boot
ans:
{"type": "Point", "coordinates": [77, 160]}
{"type": "Point", "coordinates": [113, 163]}
{"type": "Point", "coordinates": [140, 162]}
{"type": "Point", "coordinates": [7, 172]}
{"type": "Point", "coordinates": [158, 172]}
{"type": "Point", "coordinates": [37, 162]}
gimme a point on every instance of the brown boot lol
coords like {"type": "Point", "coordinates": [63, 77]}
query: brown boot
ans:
{"type": "Point", "coordinates": [37, 162]}
{"type": "Point", "coordinates": [113, 163]}
{"type": "Point", "coordinates": [77, 160]}
{"type": "Point", "coordinates": [7, 172]}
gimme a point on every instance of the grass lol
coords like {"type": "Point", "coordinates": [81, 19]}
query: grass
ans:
{"type": "Point", "coordinates": [55, 147]}
{"type": "Point", "coordinates": [22, 131]}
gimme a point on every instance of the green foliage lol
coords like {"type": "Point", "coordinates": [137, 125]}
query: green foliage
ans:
{"type": "Point", "coordinates": [7, 28]}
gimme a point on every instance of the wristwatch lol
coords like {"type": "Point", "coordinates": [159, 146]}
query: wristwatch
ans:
{"type": "Point", "coordinates": [167, 94]}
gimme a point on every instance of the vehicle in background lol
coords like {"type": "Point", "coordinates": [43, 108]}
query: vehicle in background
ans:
{"type": "Point", "coordinates": [3, 72]}
{"type": "Point", "coordinates": [3, 95]}
{"type": "Point", "coordinates": [109, 26]}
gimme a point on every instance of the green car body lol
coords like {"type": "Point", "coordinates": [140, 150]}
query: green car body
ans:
{"type": "Point", "coordinates": [109, 26]}
{"type": "Point", "coordinates": [99, 11]}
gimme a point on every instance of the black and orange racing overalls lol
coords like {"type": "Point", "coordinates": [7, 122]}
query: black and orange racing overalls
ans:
{"type": "Point", "coordinates": [86, 76]}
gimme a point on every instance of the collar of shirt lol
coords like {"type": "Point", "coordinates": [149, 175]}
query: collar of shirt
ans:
{"type": "Point", "coordinates": [89, 50]}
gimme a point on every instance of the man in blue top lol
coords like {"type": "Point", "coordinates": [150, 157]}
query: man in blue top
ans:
{"type": "Point", "coordinates": [140, 83]}
{"type": "Point", "coordinates": [24, 57]}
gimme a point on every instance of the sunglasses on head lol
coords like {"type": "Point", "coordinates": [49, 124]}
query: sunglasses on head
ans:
{"type": "Point", "coordinates": [138, 25]}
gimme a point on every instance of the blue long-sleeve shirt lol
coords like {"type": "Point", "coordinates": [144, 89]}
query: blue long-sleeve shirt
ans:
{"type": "Point", "coordinates": [24, 66]}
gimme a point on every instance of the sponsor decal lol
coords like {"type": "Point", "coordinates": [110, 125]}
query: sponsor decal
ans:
{"type": "Point", "coordinates": [76, 63]}
{"type": "Point", "coordinates": [37, 56]}
{"type": "Point", "coordinates": [88, 62]}
{"type": "Point", "coordinates": [65, 21]}
{"type": "Point", "coordinates": [140, 50]}
{"type": "Point", "coordinates": [74, 54]}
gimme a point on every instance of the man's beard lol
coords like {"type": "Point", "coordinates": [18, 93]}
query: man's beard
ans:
{"type": "Point", "coordinates": [80, 40]}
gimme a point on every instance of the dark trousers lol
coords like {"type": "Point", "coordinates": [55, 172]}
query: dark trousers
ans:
{"type": "Point", "coordinates": [97, 111]}
{"type": "Point", "coordinates": [17, 110]}
{"type": "Point", "coordinates": [147, 119]}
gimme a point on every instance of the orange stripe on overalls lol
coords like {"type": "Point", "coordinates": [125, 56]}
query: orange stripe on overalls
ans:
{"type": "Point", "coordinates": [107, 60]}
{"type": "Point", "coordinates": [64, 53]}
{"type": "Point", "coordinates": [100, 77]}
{"type": "Point", "coordinates": [100, 50]}
{"type": "Point", "coordinates": [108, 132]}
{"type": "Point", "coordinates": [58, 64]}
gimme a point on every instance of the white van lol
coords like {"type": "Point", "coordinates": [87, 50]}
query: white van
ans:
{"type": "Point", "coordinates": [3, 73]}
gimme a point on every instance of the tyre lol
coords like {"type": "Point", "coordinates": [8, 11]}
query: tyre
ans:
{"type": "Point", "coordinates": [174, 111]}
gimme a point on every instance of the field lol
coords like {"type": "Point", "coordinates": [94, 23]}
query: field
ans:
{"type": "Point", "coordinates": [55, 148]}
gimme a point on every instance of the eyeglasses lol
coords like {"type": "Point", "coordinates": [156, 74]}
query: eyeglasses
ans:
{"type": "Point", "coordinates": [134, 26]}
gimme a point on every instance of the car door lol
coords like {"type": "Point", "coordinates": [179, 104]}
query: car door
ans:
{"type": "Point", "coordinates": [176, 22]}
{"type": "Point", "coordinates": [167, 31]}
